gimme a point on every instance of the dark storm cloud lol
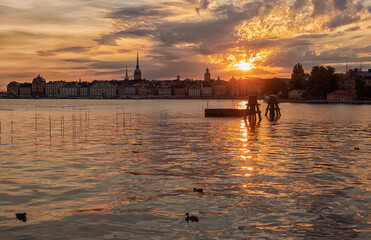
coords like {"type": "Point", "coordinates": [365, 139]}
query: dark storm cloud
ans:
{"type": "Point", "coordinates": [342, 20]}
{"type": "Point", "coordinates": [128, 13]}
{"type": "Point", "coordinates": [320, 7]}
{"type": "Point", "coordinates": [287, 57]}
{"type": "Point", "coordinates": [204, 4]}
{"type": "Point", "coordinates": [352, 29]}
{"type": "Point", "coordinates": [219, 28]}
{"type": "Point", "coordinates": [299, 4]}
{"type": "Point", "coordinates": [340, 4]}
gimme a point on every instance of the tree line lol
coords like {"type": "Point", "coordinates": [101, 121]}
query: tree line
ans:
{"type": "Point", "coordinates": [321, 81]}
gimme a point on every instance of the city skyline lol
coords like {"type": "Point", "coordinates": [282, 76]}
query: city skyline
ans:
{"type": "Point", "coordinates": [99, 39]}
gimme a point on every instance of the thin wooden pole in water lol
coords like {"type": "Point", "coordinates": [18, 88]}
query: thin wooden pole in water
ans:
{"type": "Point", "coordinates": [35, 121]}
{"type": "Point", "coordinates": [50, 126]}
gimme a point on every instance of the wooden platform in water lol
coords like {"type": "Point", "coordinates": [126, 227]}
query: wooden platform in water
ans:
{"type": "Point", "coordinates": [225, 112]}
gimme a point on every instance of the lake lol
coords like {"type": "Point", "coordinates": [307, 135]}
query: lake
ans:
{"type": "Point", "coordinates": [126, 169]}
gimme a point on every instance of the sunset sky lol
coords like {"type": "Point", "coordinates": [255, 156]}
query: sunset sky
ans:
{"type": "Point", "coordinates": [96, 39]}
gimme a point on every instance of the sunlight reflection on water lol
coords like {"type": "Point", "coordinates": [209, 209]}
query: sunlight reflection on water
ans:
{"type": "Point", "coordinates": [89, 169]}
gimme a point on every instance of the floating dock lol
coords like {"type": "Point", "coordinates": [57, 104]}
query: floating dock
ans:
{"type": "Point", "coordinates": [225, 112]}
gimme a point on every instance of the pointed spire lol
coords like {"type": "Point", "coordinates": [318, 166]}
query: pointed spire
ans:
{"type": "Point", "coordinates": [126, 75]}
{"type": "Point", "coordinates": [137, 67]}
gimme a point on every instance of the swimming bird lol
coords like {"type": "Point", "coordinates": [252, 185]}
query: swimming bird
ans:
{"type": "Point", "coordinates": [21, 216]}
{"type": "Point", "coordinates": [356, 148]}
{"type": "Point", "coordinates": [198, 190]}
{"type": "Point", "coordinates": [192, 218]}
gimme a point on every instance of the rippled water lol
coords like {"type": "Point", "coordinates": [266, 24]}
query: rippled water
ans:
{"type": "Point", "coordinates": [96, 169]}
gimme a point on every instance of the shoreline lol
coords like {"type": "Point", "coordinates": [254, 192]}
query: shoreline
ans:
{"type": "Point", "coordinates": [307, 101]}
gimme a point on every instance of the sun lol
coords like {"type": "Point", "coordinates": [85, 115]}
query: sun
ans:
{"type": "Point", "coordinates": [245, 66]}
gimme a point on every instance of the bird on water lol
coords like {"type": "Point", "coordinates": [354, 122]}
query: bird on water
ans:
{"type": "Point", "coordinates": [356, 148]}
{"type": "Point", "coordinates": [192, 218]}
{"type": "Point", "coordinates": [198, 190]}
{"type": "Point", "coordinates": [21, 216]}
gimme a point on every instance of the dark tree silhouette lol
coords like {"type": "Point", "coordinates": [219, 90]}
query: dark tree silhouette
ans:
{"type": "Point", "coordinates": [275, 86]}
{"type": "Point", "coordinates": [298, 78]}
{"type": "Point", "coordinates": [322, 81]}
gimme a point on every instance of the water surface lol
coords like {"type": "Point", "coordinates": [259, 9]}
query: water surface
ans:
{"type": "Point", "coordinates": [125, 169]}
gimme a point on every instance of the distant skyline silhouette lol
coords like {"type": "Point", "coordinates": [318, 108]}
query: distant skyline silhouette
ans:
{"type": "Point", "coordinates": [68, 40]}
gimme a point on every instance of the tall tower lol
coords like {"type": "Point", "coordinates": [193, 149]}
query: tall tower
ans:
{"type": "Point", "coordinates": [207, 75]}
{"type": "Point", "coordinates": [126, 75]}
{"type": "Point", "coordinates": [137, 72]}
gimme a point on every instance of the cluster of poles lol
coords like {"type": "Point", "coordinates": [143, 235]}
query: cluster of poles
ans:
{"type": "Point", "coordinates": [253, 113]}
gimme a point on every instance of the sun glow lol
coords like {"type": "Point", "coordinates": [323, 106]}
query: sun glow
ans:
{"type": "Point", "coordinates": [247, 61]}
{"type": "Point", "coordinates": [245, 66]}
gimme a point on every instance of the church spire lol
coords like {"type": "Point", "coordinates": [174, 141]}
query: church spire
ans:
{"type": "Point", "coordinates": [137, 72]}
{"type": "Point", "coordinates": [126, 75]}
{"type": "Point", "coordinates": [137, 67]}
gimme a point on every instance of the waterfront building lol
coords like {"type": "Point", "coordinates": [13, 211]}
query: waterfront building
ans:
{"type": "Point", "coordinates": [164, 91]}
{"type": "Point", "coordinates": [142, 90]}
{"type": "Point", "coordinates": [13, 89]}
{"type": "Point", "coordinates": [219, 89]}
{"type": "Point", "coordinates": [207, 75]}
{"type": "Point", "coordinates": [25, 90]}
{"type": "Point", "coordinates": [84, 89]}
{"type": "Point", "coordinates": [180, 91]}
{"type": "Point", "coordinates": [137, 72]}
{"type": "Point", "coordinates": [38, 86]}
{"type": "Point", "coordinates": [341, 96]}
{"type": "Point", "coordinates": [52, 89]}
{"type": "Point", "coordinates": [104, 90]}
{"type": "Point", "coordinates": [126, 91]}
{"type": "Point", "coordinates": [348, 82]}
{"type": "Point", "coordinates": [194, 91]}
{"type": "Point", "coordinates": [206, 90]}
{"type": "Point", "coordinates": [71, 89]}
{"type": "Point", "coordinates": [296, 94]}
{"type": "Point", "coordinates": [233, 88]}
{"type": "Point", "coordinates": [366, 76]}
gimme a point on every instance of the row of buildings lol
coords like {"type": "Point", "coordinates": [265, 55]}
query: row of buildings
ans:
{"type": "Point", "coordinates": [137, 88]}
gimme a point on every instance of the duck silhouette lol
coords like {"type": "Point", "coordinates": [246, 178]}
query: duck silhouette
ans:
{"type": "Point", "coordinates": [198, 190]}
{"type": "Point", "coordinates": [356, 148]}
{"type": "Point", "coordinates": [21, 216]}
{"type": "Point", "coordinates": [192, 218]}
